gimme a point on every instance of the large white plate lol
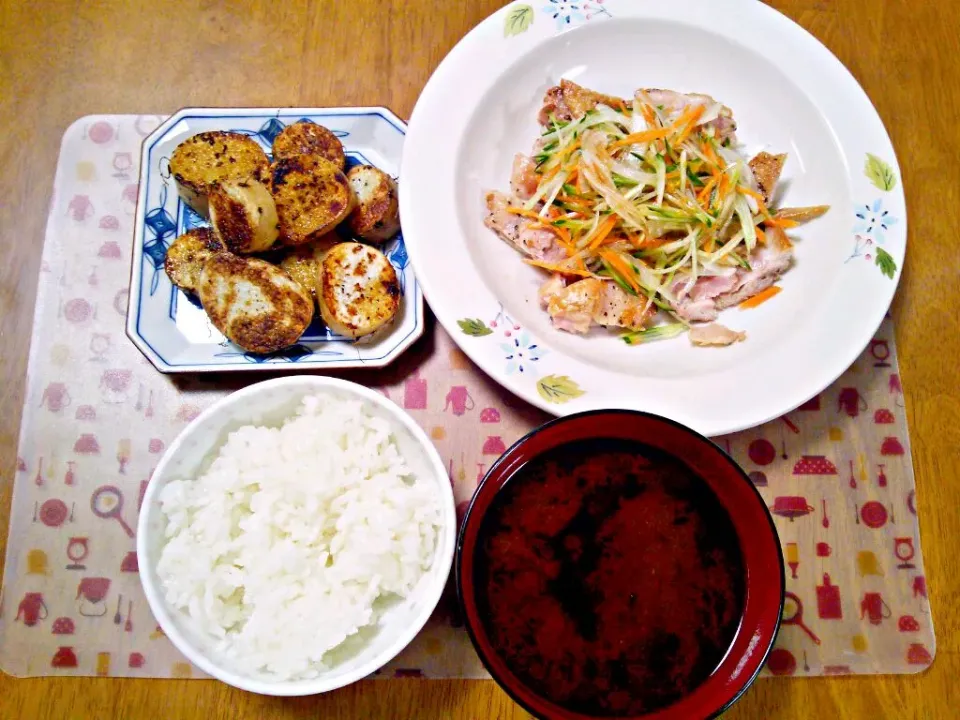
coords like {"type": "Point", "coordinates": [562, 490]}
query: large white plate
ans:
{"type": "Point", "coordinates": [170, 327]}
{"type": "Point", "coordinates": [788, 93]}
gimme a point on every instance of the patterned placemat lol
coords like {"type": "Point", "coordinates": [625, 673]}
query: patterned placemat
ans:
{"type": "Point", "coordinates": [836, 472]}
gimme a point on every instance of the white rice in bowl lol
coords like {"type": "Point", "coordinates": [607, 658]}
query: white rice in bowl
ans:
{"type": "Point", "coordinates": [296, 537]}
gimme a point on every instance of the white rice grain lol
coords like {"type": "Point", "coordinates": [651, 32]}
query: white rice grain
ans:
{"type": "Point", "coordinates": [280, 550]}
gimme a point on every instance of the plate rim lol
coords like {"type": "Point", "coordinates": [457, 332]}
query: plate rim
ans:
{"type": "Point", "coordinates": [489, 31]}
{"type": "Point", "coordinates": [134, 302]}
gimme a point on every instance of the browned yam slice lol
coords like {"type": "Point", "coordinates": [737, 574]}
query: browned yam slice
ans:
{"type": "Point", "coordinates": [253, 303]}
{"type": "Point", "coordinates": [766, 169]}
{"type": "Point", "coordinates": [312, 195]}
{"type": "Point", "coordinates": [358, 290]}
{"type": "Point", "coordinates": [309, 138]}
{"type": "Point", "coordinates": [376, 217]}
{"type": "Point", "coordinates": [244, 215]}
{"type": "Point", "coordinates": [208, 158]}
{"type": "Point", "coordinates": [188, 254]}
{"type": "Point", "coordinates": [302, 262]}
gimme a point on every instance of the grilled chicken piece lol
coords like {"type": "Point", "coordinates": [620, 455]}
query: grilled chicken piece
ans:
{"type": "Point", "coordinates": [302, 262]}
{"type": "Point", "coordinates": [569, 101]}
{"type": "Point", "coordinates": [202, 161]}
{"type": "Point", "coordinates": [254, 304]}
{"type": "Point", "coordinates": [376, 217]}
{"type": "Point", "coordinates": [358, 290]}
{"type": "Point", "coordinates": [715, 335]}
{"type": "Point", "coordinates": [618, 308]}
{"type": "Point", "coordinates": [309, 138]}
{"type": "Point", "coordinates": [518, 232]}
{"type": "Point", "coordinates": [312, 195]}
{"type": "Point", "coordinates": [523, 177]}
{"type": "Point", "coordinates": [244, 215]}
{"type": "Point", "coordinates": [188, 254]}
{"type": "Point", "coordinates": [709, 295]}
{"type": "Point", "coordinates": [580, 305]}
{"type": "Point", "coordinates": [675, 103]}
{"type": "Point", "coordinates": [766, 170]}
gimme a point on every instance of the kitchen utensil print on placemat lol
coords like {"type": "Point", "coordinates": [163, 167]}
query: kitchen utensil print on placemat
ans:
{"type": "Point", "coordinates": [793, 615]}
{"type": "Point", "coordinates": [107, 502]}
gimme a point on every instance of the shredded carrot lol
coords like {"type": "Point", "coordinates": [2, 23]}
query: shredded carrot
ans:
{"type": "Point", "coordinates": [574, 174]}
{"type": "Point", "coordinates": [708, 152]}
{"type": "Point", "coordinates": [620, 265]}
{"type": "Point", "coordinates": [557, 268]}
{"type": "Point", "coordinates": [573, 202]}
{"type": "Point", "coordinates": [532, 214]}
{"type": "Point", "coordinates": [564, 238]}
{"type": "Point", "coordinates": [652, 243]}
{"type": "Point", "coordinates": [724, 186]}
{"type": "Point", "coordinates": [761, 236]}
{"type": "Point", "coordinates": [760, 298]}
{"type": "Point", "coordinates": [743, 190]}
{"type": "Point", "coordinates": [602, 232]}
{"type": "Point", "coordinates": [648, 115]}
{"type": "Point", "coordinates": [687, 122]}
{"type": "Point", "coordinates": [707, 189]}
{"type": "Point", "coordinates": [573, 147]}
{"type": "Point", "coordinates": [644, 136]}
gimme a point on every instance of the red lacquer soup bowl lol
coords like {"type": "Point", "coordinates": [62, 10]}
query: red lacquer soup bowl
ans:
{"type": "Point", "coordinates": [617, 564]}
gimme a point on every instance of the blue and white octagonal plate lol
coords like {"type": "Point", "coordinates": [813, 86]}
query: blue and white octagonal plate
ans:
{"type": "Point", "coordinates": [171, 328]}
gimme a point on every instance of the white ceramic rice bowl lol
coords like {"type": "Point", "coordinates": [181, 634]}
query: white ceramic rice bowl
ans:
{"type": "Point", "coordinates": [269, 403]}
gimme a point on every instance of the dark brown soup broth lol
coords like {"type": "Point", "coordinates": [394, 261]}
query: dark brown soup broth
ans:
{"type": "Point", "coordinates": [610, 578]}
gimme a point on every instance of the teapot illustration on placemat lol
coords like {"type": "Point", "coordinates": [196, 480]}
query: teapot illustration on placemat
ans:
{"type": "Point", "coordinates": [91, 593]}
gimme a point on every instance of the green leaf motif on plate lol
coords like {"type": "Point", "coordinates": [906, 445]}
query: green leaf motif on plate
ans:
{"type": "Point", "coordinates": [886, 263]}
{"type": "Point", "coordinates": [518, 20]}
{"type": "Point", "coordinates": [558, 389]}
{"type": "Point", "coordinates": [474, 328]}
{"type": "Point", "coordinates": [879, 173]}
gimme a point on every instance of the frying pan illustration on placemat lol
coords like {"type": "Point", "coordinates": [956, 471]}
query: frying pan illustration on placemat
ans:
{"type": "Point", "coordinates": [107, 502]}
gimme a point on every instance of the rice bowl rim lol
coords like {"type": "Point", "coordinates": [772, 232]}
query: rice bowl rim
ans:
{"type": "Point", "coordinates": [429, 592]}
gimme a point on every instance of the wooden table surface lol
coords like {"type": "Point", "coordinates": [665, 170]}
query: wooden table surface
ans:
{"type": "Point", "coordinates": [60, 60]}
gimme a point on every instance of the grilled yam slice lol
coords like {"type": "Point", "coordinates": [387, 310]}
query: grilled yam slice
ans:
{"type": "Point", "coordinates": [302, 263]}
{"type": "Point", "coordinates": [309, 138]}
{"type": "Point", "coordinates": [253, 303]}
{"type": "Point", "coordinates": [312, 197]}
{"type": "Point", "coordinates": [188, 254]}
{"type": "Point", "coordinates": [244, 215]}
{"type": "Point", "coordinates": [376, 217]}
{"type": "Point", "coordinates": [208, 158]}
{"type": "Point", "coordinates": [358, 290]}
